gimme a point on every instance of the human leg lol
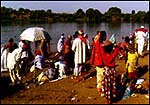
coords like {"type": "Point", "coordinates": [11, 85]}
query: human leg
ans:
{"type": "Point", "coordinates": [80, 66]}
{"type": "Point", "coordinates": [109, 84]}
{"type": "Point", "coordinates": [12, 76]}
{"type": "Point", "coordinates": [18, 72]}
{"type": "Point", "coordinates": [140, 49]}
{"type": "Point", "coordinates": [39, 77]}
{"type": "Point", "coordinates": [76, 78]}
{"type": "Point", "coordinates": [100, 77]}
{"type": "Point", "coordinates": [83, 72]}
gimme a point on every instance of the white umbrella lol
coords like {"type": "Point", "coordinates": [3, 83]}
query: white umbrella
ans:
{"type": "Point", "coordinates": [34, 34]}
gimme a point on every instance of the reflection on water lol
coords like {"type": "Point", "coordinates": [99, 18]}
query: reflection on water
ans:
{"type": "Point", "coordinates": [55, 30]}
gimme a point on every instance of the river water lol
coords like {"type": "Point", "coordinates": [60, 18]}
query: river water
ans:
{"type": "Point", "coordinates": [56, 29]}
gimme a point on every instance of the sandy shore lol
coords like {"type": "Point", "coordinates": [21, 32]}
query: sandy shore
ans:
{"type": "Point", "coordinates": [65, 91]}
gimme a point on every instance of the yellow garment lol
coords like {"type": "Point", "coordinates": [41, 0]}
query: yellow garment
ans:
{"type": "Point", "coordinates": [138, 86]}
{"type": "Point", "coordinates": [100, 77]}
{"type": "Point", "coordinates": [132, 61]}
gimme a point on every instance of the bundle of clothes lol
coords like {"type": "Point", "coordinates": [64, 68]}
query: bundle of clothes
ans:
{"type": "Point", "coordinates": [55, 70]}
{"type": "Point", "coordinates": [135, 87]}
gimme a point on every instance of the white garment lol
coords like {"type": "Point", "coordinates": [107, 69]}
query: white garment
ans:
{"type": "Point", "coordinates": [4, 55]}
{"type": "Point", "coordinates": [60, 45]}
{"type": "Point", "coordinates": [140, 39]}
{"type": "Point", "coordinates": [24, 53]}
{"type": "Point", "coordinates": [88, 44]}
{"type": "Point", "coordinates": [20, 44]}
{"type": "Point", "coordinates": [11, 62]}
{"type": "Point", "coordinates": [38, 61]}
{"type": "Point", "coordinates": [148, 41]}
{"type": "Point", "coordinates": [50, 73]}
{"type": "Point", "coordinates": [2, 49]}
{"type": "Point", "coordinates": [79, 48]}
{"type": "Point", "coordinates": [62, 67]}
{"type": "Point", "coordinates": [13, 58]}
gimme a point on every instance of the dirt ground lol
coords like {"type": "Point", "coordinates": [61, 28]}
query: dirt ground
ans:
{"type": "Point", "coordinates": [65, 91]}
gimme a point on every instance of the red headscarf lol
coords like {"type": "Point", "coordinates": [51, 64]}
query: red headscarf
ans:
{"type": "Point", "coordinates": [24, 46]}
{"type": "Point", "coordinates": [83, 39]}
{"type": "Point", "coordinates": [37, 52]}
{"type": "Point", "coordinates": [141, 29]}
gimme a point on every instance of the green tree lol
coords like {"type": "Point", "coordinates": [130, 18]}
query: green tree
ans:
{"type": "Point", "coordinates": [49, 13]}
{"type": "Point", "coordinates": [114, 14]}
{"type": "Point", "coordinates": [38, 16]}
{"type": "Point", "coordinates": [9, 15]}
{"type": "Point", "coordinates": [79, 16]}
{"type": "Point", "coordinates": [90, 14]}
{"type": "Point", "coordinates": [126, 17]}
{"type": "Point", "coordinates": [140, 16]}
{"type": "Point", "coordinates": [21, 10]}
{"type": "Point", "coordinates": [133, 12]}
{"type": "Point", "coordinates": [98, 15]}
{"type": "Point", "coordinates": [26, 11]}
{"type": "Point", "coordinates": [147, 17]}
{"type": "Point", "coordinates": [132, 16]}
{"type": "Point", "coordinates": [5, 14]}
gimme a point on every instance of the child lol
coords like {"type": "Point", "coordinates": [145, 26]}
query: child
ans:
{"type": "Point", "coordinates": [50, 74]}
{"type": "Point", "coordinates": [124, 47]}
{"type": "Point", "coordinates": [38, 63]}
{"type": "Point", "coordinates": [61, 67]}
{"type": "Point", "coordinates": [131, 65]}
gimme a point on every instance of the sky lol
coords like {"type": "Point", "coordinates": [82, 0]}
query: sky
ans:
{"type": "Point", "coordinates": [73, 6]}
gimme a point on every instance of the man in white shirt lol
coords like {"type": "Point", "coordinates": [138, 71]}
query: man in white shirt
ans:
{"type": "Point", "coordinates": [79, 47]}
{"type": "Point", "coordinates": [140, 35]}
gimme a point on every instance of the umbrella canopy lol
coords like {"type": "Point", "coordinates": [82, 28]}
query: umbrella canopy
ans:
{"type": "Point", "coordinates": [34, 34]}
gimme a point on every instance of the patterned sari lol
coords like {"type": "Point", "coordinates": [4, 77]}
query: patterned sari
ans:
{"type": "Point", "coordinates": [109, 83]}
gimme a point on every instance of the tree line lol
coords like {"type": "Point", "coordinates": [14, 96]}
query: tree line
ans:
{"type": "Point", "coordinates": [114, 14]}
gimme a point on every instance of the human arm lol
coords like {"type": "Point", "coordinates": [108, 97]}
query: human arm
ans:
{"type": "Point", "coordinates": [109, 58]}
{"type": "Point", "coordinates": [96, 38]}
{"type": "Point", "coordinates": [73, 46]}
{"type": "Point", "coordinates": [88, 44]}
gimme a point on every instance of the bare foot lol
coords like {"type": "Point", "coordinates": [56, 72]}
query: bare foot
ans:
{"type": "Point", "coordinates": [109, 102]}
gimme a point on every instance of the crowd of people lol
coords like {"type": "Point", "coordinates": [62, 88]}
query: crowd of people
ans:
{"type": "Point", "coordinates": [74, 51]}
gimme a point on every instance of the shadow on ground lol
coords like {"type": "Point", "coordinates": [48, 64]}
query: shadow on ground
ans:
{"type": "Point", "coordinates": [142, 70]}
{"type": "Point", "coordinates": [121, 88]}
{"type": "Point", "coordinates": [6, 89]}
